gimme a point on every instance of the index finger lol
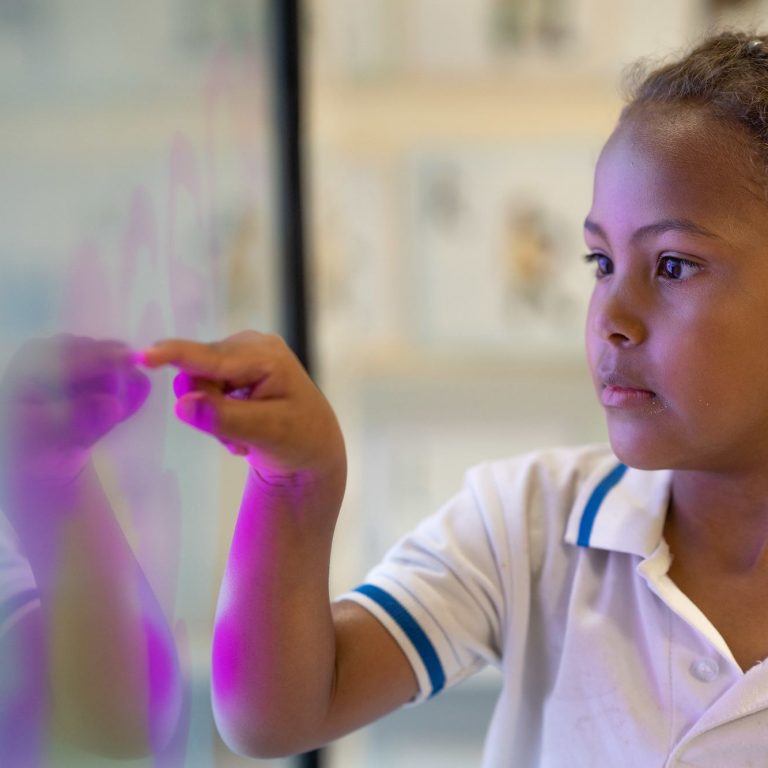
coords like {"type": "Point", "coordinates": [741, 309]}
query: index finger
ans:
{"type": "Point", "coordinates": [229, 362]}
{"type": "Point", "coordinates": [193, 357]}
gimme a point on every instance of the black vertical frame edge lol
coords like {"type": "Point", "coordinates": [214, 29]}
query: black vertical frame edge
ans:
{"type": "Point", "coordinates": [286, 21]}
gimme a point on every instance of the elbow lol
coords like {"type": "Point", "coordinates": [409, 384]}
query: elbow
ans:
{"type": "Point", "coordinates": [257, 712]}
{"type": "Point", "coordinates": [246, 719]}
{"type": "Point", "coordinates": [244, 739]}
{"type": "Point", "coordinates": [264, 729]}
{"type": "Point", "coordinates": [247, 737]}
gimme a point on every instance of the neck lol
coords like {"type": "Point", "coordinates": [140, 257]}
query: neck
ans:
{"type": "Point", "coordinates": [723, 519]}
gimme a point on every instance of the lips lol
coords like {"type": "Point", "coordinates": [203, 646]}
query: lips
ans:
{"type": "Point", "coordinates": [622, 391]}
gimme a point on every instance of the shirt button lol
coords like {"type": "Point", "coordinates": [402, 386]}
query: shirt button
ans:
{"type": "Point", "coordinates": [705, 670]}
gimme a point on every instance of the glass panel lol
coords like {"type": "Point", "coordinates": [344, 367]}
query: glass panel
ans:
{"type": "Point", "coordinates": [136, 185]}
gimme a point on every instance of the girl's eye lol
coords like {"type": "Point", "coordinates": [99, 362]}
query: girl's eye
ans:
{"type": "Point", "coordinates": [604, 266]}
{"type": "Point", "coordinates": [676, 268]}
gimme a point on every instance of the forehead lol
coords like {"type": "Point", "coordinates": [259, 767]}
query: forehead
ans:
{"type": "Point", "coordinates": [663, 163]}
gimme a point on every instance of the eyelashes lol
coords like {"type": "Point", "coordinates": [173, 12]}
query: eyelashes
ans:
{"type": "Point", "coordinates": [603, 264]}
{"type": "Point", "coordinates": [677, 268]}
{"type": "Point", "coordinates": [670, 267]}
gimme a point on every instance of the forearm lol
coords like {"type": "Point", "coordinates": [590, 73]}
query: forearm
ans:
{"type": "Point", "coordinates": [274, 646]}
{"type": "Point", "coordinates": [112, 669]}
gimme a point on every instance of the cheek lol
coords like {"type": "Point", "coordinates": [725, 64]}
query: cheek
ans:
{"type": "Point", "coordinates": [591, 340]}
{"type": "Point", "coordinates": [710, 362]}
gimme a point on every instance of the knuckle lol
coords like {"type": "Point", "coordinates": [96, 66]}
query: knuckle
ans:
{"type": "Point", "coordinates": [250, 335]}
{"type": "Point", "coordinates": [274, 342]}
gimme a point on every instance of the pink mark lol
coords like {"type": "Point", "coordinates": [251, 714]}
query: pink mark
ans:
{"type": "Point", "coordinates": [141, 302]}
{"type": "Point", "coordinates": [140, 237]}
{"type": "Point", "coordinates": [232, 113]}
{"type": "Point", "coordinates": [191, 286]}
{"type": "Point", "coordinates": [217, 82]}
{"type": "Point", "coordinates": [228, 81]}
{"type": "Point", "coordinates": [88, 305]}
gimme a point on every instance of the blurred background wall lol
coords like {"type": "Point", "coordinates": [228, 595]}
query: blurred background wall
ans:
{"type": "Point", "coordinates": [451, 145]}
{"type": "Point", "coordinates": [448, 157]}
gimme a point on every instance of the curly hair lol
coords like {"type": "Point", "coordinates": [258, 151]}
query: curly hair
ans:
{"type": "Point", "coordinates": [726, 74]}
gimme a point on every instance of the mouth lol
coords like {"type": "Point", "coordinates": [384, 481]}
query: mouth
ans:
{"type": "Point", "coordinates": [617, 392]}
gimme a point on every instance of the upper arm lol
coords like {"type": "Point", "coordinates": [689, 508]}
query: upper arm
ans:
{"type": "Point", "coordinates": [373, 676]}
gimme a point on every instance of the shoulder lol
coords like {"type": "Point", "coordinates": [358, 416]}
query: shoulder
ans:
{"type": "Point", "coordinates": [528, 489]}
{"type": "Point", "coordinates": [509, 510]}
{"type": "Point", "coordinates": [527, 502]}
{"type": "Point", "coordinates": [547, 479]}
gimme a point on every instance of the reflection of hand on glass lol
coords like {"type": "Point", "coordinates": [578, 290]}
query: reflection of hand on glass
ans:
{"type": "Point", "coordinates": [57, 398]}
{"type": "Point", "coordinates": [93, 658]}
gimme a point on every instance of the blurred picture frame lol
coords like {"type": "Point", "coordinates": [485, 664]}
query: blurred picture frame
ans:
{"type": "Point", "coordinates": [494, 248]}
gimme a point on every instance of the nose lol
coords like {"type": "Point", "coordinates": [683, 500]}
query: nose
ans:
{"type": "Point", "coordinates": [615, 316]}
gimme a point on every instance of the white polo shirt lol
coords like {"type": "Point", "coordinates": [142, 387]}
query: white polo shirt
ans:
{"type": "Point", "coordinates": [552, 566]}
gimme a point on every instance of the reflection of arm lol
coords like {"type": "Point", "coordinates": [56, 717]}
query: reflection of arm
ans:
{"type": "Point", "coordinates": [21, 673]}
{"type": "Point", "coordinates": [104, 671]}
{"type": "Point", "coordinates": [113, 677]}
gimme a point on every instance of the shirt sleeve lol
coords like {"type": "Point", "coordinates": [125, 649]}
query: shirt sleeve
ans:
{"type": "Point", "coordinates": [18, 591]}
{"type": "Point", "coordinates": [439, 593]}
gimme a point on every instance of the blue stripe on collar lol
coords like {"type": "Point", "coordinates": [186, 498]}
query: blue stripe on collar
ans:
{"type": "Point", "coordinates": [595, 500]}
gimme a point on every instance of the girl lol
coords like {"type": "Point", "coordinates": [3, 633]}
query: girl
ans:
{"type": "Point", "coordinates": [622, 591]}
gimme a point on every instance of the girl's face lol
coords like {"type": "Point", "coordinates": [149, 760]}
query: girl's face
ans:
{"type": "Point", "coordinates": [677, 329]}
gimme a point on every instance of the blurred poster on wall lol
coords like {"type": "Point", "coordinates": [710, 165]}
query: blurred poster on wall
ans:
{"type": "Point", "coordinates": [498, 238]}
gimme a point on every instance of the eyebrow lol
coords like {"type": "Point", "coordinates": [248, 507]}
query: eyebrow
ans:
{"type": "Point", "coordinates": [657, 228]}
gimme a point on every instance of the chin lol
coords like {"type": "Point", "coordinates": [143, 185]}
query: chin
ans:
{"type": "Point", "coordinates": [641, 453]}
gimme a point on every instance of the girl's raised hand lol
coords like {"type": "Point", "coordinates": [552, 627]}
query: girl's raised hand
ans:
{"type": "Point", "coordinates": [251, 392]}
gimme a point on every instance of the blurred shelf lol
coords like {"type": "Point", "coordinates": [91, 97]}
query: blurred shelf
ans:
{"type": "Point", "coordinates": [414, 364]}
{"type": "Point", "coordinates": [392, 115]}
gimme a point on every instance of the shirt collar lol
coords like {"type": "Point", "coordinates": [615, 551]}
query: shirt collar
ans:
{"type": "Point", "coordinates": [620, 509]}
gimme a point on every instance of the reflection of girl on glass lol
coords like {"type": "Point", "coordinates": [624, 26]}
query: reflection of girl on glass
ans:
{"type": "Point", "coordinates": [85, 651]}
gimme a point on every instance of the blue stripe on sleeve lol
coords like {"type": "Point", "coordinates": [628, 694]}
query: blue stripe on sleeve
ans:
{"type": "Point", "coordinates": [415, 633]}
{"type": "Point", "coordinates": [595, 500]}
